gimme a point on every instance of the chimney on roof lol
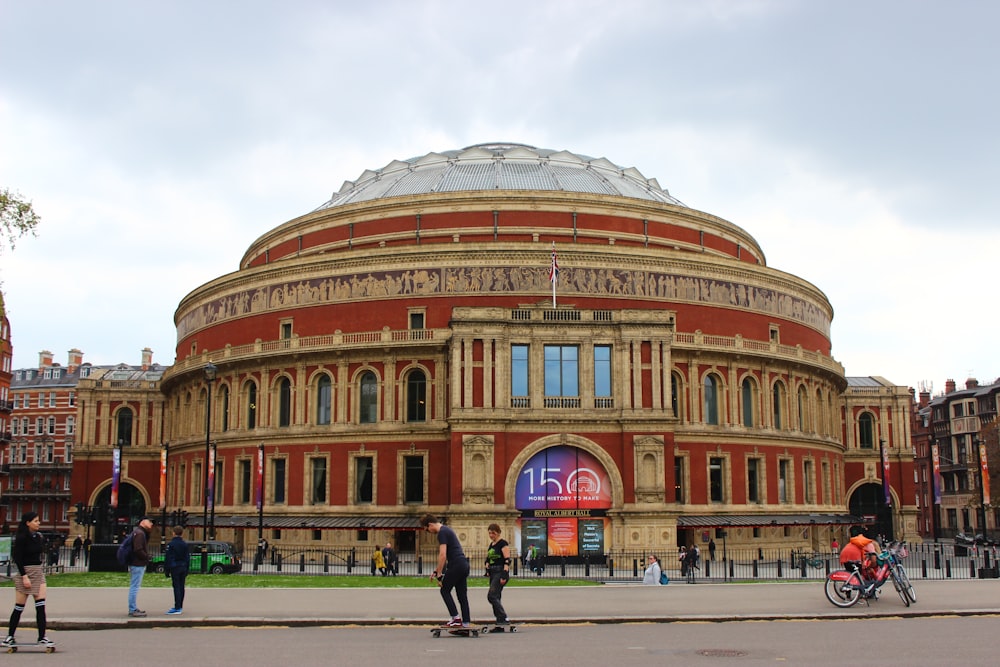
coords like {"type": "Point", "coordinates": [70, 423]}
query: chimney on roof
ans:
{"type": "Point", "coordinates": [75, 359]}
{"type": "Point", "coordinates": [971, 383]}
{"type": "Point", "coordinates": [44, 359]}
{"type": "Point", "coordinates": [147, 358]}
{"type": "Point", "coordinates": [925, 399]}
{"type": "Point", "coordinates": [949, 386]}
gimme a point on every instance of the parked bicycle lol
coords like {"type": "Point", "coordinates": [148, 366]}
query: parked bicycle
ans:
{"type": "Point", "coordinates": [844, 588]}
{"type": "Point", "coordinates": [812, 560]}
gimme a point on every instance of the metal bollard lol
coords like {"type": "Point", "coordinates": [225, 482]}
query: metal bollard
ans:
{"type": "Point", "coordinates": [756, 574]}
{"type": "Point", "coordinates": [937, 559]}
{"type": "Point", "coordinates": [302, 562]}
{"type": "Point", "coordinates": [326, 563]}
{"type": "Point", "coordinates": [562, 567]}
{"type": "Point", "coordinates": [420, 564]}
{"type": "Point", "coordinates": [278, 560]}
{"type": "Point", "coordinates": [635, 567]}
{"type": "Point", "coordinates": [923, 567]}
{"type": "Point", "coordinates": [947, 569]}
{"type": "Point", "coordinates": [611, 567]}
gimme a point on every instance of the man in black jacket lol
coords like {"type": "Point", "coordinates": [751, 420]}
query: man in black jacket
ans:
{"type": "Point", "coordinates": [175, 563]}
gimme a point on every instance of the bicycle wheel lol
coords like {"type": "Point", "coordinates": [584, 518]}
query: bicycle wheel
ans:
{"type": "Point", "coordinates": [898, 585]}
{"type": "Point", "coordinates": [843, 592]}
{"type": "Point", "coordinates": [907, 586]}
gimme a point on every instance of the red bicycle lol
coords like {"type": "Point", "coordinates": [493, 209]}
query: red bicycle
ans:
{"type": "Point", "coordinates": [844, 588]}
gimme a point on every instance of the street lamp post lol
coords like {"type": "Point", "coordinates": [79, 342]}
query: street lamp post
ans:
{"type": "Point", "coordinates": [210, 371]}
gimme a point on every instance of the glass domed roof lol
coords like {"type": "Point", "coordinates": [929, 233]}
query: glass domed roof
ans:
{"type": "Point", "coordinates": [499, 166]}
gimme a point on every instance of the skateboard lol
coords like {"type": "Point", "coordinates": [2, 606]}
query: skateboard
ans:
{"type": "Point", "coordinates": [488, 629]}
{"type": "Point", "coordinates": [461, 632]}
{"type": "Point", "coordinates": [32, 646]}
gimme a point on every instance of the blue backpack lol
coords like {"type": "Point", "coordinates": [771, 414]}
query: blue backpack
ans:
{"type": "Point", "coordinates": [664, 579]}
{"type": "Point", "coordinates": [125, 550]}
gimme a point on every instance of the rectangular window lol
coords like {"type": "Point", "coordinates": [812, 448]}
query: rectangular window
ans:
{"type": "Point", "coordinates": [413, 482]}
{"type": "Point", "coordinates": [72, 398]}
{"type": "Point", "coordinates": [217, 483]}
{"type": "Point", "coordinates": [244, 467]}
{"type": "Point", "coordinates": [52, 399]}
{"type": "Point", "coordinates": [715, 479]}
{"type": "Point", "coordinates": [41, 400]}
{"type": "Point", "coordinates": [416, 320]}
{"type": "Point", "coordinates": [562, 370]}
{"type": "Point", "coordinates": [318, 471]}
{"type": "Point", "coordinates": [70, 425]}
{"type": "Point", "coordinates": [807, 482]}
{"type": "Point", "coordinates": [602, 371]}
{"type": "Point", "coordinates": [753, 481]}
{"type": "Point", "coordinates": [52, 426]}
{"type": "Point", "coordinates": [783, 481]}
{"type": "Point", "coordinates": [278, 475]}
{"type": "Point", "coordinates": [679, 496]}
{"type": "Point", "coordinates": [519, 372]}
{"type": "Point", "coordinates": [196, 483]}
{"type": "Point", "coordinates": [363, 466]}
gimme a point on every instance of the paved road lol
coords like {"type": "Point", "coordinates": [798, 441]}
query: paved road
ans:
{"type": "Point", "coordinates": [89, 608]}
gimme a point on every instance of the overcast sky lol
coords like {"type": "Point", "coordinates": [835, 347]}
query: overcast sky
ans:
{"type": "Point", "coordinates": [857, 141]}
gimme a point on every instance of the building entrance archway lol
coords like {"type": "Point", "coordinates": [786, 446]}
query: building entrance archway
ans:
{"type": "Point", "coordinates": [113, 524]}
{"type": "Point", "coordinates": [868, 502]}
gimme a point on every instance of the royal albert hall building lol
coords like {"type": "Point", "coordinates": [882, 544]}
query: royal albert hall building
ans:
{"type": "Point", "coordinates": [404, 349]}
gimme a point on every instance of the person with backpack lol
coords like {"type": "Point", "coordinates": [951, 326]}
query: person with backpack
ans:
{"type": "Point", "coordinates": [137, 559]}
{"type": "Point", "coordinates": [651, 577]}
{"type": "Point", "coordinates": [27, 550]}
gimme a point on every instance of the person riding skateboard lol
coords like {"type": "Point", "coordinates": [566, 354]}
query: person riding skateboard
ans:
{"type": "Point", "coordinates": [452, 571]}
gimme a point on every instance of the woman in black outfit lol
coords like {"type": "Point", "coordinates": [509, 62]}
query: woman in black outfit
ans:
{"type": "Point", "coordinates": [27, 553]}
{"type": "Point", "coordinates": [498, 570]}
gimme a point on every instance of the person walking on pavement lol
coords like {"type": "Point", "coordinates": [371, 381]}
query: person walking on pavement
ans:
{"type": "Point", "coordinates": [711, 550]}
{"type": "Point", "coordinates": [378, 562]}
{"type": "Point", "coordinates": [137, 566]}
{"type": "Point", "coordinates": [391, 561]}
{"type": "Point", "coordinates": [498, 571]}
{"type": "Point", "coordinates": [175, 563]}
{"type": "Point", "coordinates": [452, 571]}
{"type": "Point", "coordinates": [26, 552]}
{"type": "Point", "coordinates": [651, 577]}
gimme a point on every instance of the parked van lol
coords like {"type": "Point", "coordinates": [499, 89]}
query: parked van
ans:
{"type": "Point", "coordinates": [222, 558]}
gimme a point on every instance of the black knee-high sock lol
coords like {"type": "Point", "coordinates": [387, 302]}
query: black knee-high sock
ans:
{"type": "Point", "coordinates": [15, 618]}
{"type": "Point", "coordinates": [40, 617]}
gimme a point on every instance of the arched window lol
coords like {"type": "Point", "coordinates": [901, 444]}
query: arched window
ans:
{"type": "Point", "coordinates": [284, 402]}
{"type": "Point", "coordinates": [748, 393]}
{"type": "Point", "coordinates": [803, 403]}
{"type": "Point", "coordinates": [416, 397]}
{"type": "Point", "coordinates": [711, 400]}
{"type": "Point", "coordinates": [224, 406]}
{"type": "Point", "coordinates": [675, 394]}
{"type": "Point", "coordinates": [866, 431]}
{"type": "Point", "coordinates": [324, 399]}
{"type": "Point", "coordinates": [251, 405]}
{"type": "Point", "coordinates": [777, 399]}
{"type": "Point", "coordinates": [369, 398]}
{"type": "Point", "coordinates": [124, 419]}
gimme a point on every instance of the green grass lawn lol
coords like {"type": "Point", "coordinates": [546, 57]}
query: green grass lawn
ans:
{"type": "Point", "coordinates": [120, 580]}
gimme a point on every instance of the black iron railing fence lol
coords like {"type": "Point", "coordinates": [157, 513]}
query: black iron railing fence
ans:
{"type": "Point", "coordinates": [925, 561]}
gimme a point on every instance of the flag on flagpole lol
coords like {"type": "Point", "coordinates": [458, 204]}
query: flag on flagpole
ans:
{"type": "Point", "coordinates": [554, 273]}
{"type": "Point", "coordinates": [985, 472]}
{"type": "Point", "coordinates": [936, 459]}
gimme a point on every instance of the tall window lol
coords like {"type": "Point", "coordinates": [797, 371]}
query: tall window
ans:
{"type": "Point", "coordinates": [244, 466]}
{"type": "Point", "coordinates": [562, 370]}
{"type": "Point", "coordinates": [369, 398]}
{"type": "Point", "coordinates": [318, 466]}
{"type": "Point", "coordinates": [711, 400]}
{"type": "Point", "coordinates": [747, 394]}
{"type": "Point", "coordinates": [363, 479]}
{"type": "Point", "coordinates": [217, 485]}
{"type": "Point", "coordinates": [251, 405]}
{"type": "Point", "coordinates": [416, 396]}
{"type": "Point", "coordinates": [753, 480]}
{"type": "Point", "coordinates": [777, 397]}
{"type": "Point", "coordinates": [284, 402]}
{"type": "Point", "coordinates": [783, 481]}
{"type": "Point", "coordinates": [413, 482]}
{"type": "Point", "coordinates": [224, 406]}
{"type": "Point", "coordinates": [679, 496]}
{"type": "Point", "coordinates": [803, 404]}
{"type": "Point", "coordinates": [324, 399]}
{"type": "Point", "coordinates": [675, 389]}
{"type": "Point", "coordinates": [715, 479]}
{"type": "Point", "coordinates": [278, 475]}
{"type": "Point", "coordinates": [807, 482]}
{"type": "Point", "coordinates": [124, 436]}
{"type": "Point", "coordinates": [602, 371]}
{"type": "Point", "coordinates": [519, 375]}
{"type": "Point", "coordinates": [866, 431]}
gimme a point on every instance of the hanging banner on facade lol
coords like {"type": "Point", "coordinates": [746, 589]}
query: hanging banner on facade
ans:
{"type": "Point", "coordinates": [936, 460]}
{"type": "Point", "coordinates": [885, 472]}
{"type": "Point", "coordinates": [260, 478]}
{"type": "Point", "coordinates": [210, 487]}
{"type": "Point", "coordinates": [985, 475]}
{"type": "Point", "coordinates": [116, 474]}
{"type": "Point", "coordinates": [563, 477]}
{"type": "Point", "coordinates": [163, 478]}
